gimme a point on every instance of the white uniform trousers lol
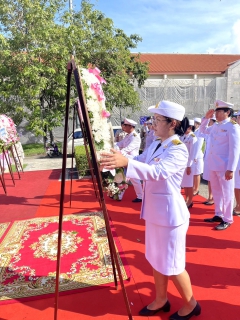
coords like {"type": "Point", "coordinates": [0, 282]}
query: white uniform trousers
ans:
{"type": "Point", "coordinates": [223, 195]}
{"type": "Point", "coordinates": [137, 187]}
{"type": "Point", "coordinates": [206, 172]}
{"type": "Point", "coordinates": [237, 178]}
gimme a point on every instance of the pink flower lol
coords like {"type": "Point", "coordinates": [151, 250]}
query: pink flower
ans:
{"type": "Point", "coordinates": [105, 114]}
{"type": "Point", "coordinates": [96, 72]}
{"type": "Point", "coordinates": [98, 89]}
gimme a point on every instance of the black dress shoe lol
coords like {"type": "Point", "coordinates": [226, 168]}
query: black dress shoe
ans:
{"type": "Point", "coordinates": [137, 200]}
{"type": "Point", "coordinates": [196, 312]}
{"type": "Point", "coordinates": [145, 312]}
{"type": "Point", "coordinates": [236, 213]}
{"type": "Point", "coordinates": [214, 219]}
{"type": "Point", "coordinates": [190, 205]}
{"type": "Point", "coordinates": [207, 203]}
{"type": "Point", "coordinates": [223, 225]}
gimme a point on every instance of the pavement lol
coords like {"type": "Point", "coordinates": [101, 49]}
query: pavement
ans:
{"type": "Point", "coordinates": [42, 162]}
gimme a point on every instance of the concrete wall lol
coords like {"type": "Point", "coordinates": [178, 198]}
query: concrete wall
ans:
{"type": "Point", "coordinates": [233, 85]}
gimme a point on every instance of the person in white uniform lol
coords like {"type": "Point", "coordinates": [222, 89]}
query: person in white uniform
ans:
{"type": "Point", "coordinates": [206, 171]}
{"type": "Point", "coordinates": [150, 137]}
{"type": "Point", "coordinates": [161, 167]}
{"type": "Point", "coordinates": [236, 210]}
{"type": "Point", "coordinates": [197, 166]}
{"type": "Point", "coordinates": [189, 139]}
{"type": "Point", "coordinates": [129, 147]}
{"type": "Point", "coordinates": [224, 137]}
{"type": "Point", "coordinates": [120, 133]}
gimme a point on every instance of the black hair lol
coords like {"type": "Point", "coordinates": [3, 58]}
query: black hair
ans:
{"type": "Point", "coordinates": [181, 126]}
{"type": "Point", "coordinates": [231, 113]}
{"type": "Point", "coordinates": [122, 122]}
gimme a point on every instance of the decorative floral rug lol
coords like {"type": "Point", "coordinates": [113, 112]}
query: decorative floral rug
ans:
{"type": "Point", "coordinates": [28, 255]}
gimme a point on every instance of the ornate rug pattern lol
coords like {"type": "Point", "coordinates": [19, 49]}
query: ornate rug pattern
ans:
{"type": "Point", "coordinates": [28, 255]}
{"type": "Point", "coordinates": [3, 228]}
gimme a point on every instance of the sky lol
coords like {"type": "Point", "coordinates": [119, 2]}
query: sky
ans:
{"type": "Point", "coordinates": [176, 26]}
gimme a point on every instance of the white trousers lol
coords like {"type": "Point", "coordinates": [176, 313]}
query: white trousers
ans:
{"type": "Point", "coordinates": [223, 195]}
{"type": "Point", "coordinates": [137, 187]}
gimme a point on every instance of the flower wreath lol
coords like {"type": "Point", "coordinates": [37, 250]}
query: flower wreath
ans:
{"type": "Point", "coordinates": [113, 181]}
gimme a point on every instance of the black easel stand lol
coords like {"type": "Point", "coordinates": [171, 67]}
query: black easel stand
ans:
{"type": "Point", "coordinates": [96, 175]}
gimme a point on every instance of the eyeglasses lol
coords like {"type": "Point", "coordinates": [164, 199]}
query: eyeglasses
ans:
{"type": "Point", "coordinates": [126, 125]}
{"type": "Point", "coordinates": [156, 120]}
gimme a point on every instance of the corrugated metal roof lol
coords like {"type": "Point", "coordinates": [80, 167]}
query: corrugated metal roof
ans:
{"type": "Point", "coordinates": [170, 63]}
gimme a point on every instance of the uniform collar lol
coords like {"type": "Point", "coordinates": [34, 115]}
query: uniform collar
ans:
{"type": "Point", "coordinates": [174, 137]}
{"type": "Point", "coordinates": [224, 121]}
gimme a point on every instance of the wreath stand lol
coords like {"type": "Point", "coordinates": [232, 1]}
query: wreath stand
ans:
{"type": "Point", "coordinates": [6, 159]}
{"type": "Point", "coordinates": [85, 124]}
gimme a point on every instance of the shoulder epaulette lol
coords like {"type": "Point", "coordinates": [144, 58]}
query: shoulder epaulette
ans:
{"type": "Point", "coordinates": [176, 142]}
{"type": "Point", "coordinates": [193, 135]}
{"type": "Point", "coordinates": [134, 134]}
{"type": "Point", "coordinates": [233, 122]}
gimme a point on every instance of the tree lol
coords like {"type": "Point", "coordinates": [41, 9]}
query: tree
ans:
{"type": "Point", "coordinates": [36, 40]}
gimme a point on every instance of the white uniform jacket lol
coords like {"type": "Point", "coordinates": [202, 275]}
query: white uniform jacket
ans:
{"type": "Point", "coordinates": [223, 144]}
{"type": "Point", "coordinates": [190, 140]}
{"type": "Point", "coordinates": [198, 145]}
{"type": "Point", "coordinates": [130, 145]}
{"type": "Point", "coordinates": [162, 175]}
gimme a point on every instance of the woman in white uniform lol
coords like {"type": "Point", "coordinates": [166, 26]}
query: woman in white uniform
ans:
{"type": "Point", "coordinates": [236, 210]}
{"type": "Point", "coordinates": [189, 139]}
{"type": "Point", "coordinates": [198, 162]}
{"type": "Point", "coordinates": [161, 168]}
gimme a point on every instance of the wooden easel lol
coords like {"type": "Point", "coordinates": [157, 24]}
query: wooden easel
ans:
{"type": "Point", "coordinates": [72, 68]}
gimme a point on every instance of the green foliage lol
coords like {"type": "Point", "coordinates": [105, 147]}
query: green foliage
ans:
{"type": "Point", "coordinates": [81, 161]}
{"type": "Point", "coordinates": [36, 39]}
{"type": "Point", "coordinates": [32, 149]}
{"type": "Point", "coordinates": [14, 167]}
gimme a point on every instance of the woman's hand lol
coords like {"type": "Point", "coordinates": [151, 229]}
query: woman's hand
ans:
{"type": "Point", "coordinates": [113, 160]}
{"type": "Point", "coordinates": [228, 175]}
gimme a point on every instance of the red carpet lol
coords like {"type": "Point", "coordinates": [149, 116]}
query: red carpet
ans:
{"type": "Point", "coordinates": [213, 261]}
{"type": "Point", "coordinates": [28, 255]}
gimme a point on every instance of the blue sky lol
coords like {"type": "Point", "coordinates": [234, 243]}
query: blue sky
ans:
{"type": "Point", "coordinates": [171, 26]}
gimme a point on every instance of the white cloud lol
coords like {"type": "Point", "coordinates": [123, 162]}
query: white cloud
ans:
{"type": "Point", "coordinates": [233, 46]}
{"type": "Point", "coordinates": [184, 26]}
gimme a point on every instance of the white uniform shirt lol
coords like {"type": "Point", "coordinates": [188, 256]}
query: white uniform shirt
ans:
{"type": "Point", "coordinates": [223, 144]}
{"type": "Point", "coordinates": [198, 145]}
{"type": "Point", "coordinates": [162, 175]}
{"type": "Point", "coordinates": [130, 145]}
{"type": "Point", "coordinates": [189, 140]}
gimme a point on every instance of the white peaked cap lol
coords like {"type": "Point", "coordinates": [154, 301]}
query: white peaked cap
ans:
{"type": "Point", "coordinates": [223, 104]}
{"type": "Point", "coordinates": [199, 120]}
{"type": "Point", "coordinates": [191, 122]}
{"type": "Point", "coordinates": [213, 117]}
{"type": "Point", "coordinates": [168, 109]}
{"type": "Point", "coordinates": [130, 121]}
